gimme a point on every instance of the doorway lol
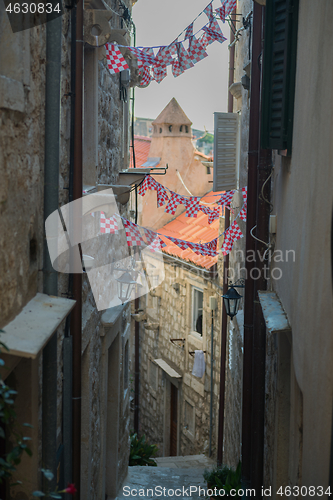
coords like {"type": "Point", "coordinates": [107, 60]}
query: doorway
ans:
{"type": "Point", "coordinates": [173, 420]}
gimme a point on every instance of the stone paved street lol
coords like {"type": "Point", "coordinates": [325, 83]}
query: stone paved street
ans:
{"type": "Point", "coordinates": [172, 473]}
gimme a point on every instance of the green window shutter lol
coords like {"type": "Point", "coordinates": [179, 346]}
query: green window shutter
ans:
{"type": "Point", "coordinates": [279, 69]}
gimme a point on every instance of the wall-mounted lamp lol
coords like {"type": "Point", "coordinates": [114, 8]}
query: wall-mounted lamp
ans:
{"type": "Point", "coordinates": [232, 298]}
{"type": "Point", "coordinates": [126, 282]}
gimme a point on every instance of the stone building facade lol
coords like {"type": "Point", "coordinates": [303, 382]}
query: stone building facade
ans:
{"type": "Point", "coordinates": [105, 334]}
{"type": "Point", "coordinates": [166, 367]}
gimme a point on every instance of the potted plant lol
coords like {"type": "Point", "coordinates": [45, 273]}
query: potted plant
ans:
{"type": "Point", "coordinates": [141, 452]}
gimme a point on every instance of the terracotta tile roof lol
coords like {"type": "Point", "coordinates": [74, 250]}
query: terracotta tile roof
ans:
{"type": "Point", "coordinates": [141, 149]}
{"type": "Point", "coordinates": [194, 229]}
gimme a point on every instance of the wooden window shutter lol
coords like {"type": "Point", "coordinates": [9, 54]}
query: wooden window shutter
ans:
{"type": "Point", "coordinates": [279, 69]}
{"type": "Point", "coordinates": [225, 151]}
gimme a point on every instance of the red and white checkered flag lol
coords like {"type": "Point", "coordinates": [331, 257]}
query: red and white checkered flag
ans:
{"type": "Point", "coordinates": [180, 243]}
{"type": "Point", "coordinates": [205, 40]}
{"type": "Point", "coordinates": [192, 206]}
{"type": "Point", "coordinates": [235, 232]}
{"type": "Point", "coordinates": [159, 72]}
{"type": "Point", "coordinates": [174, 201]}
{"type": "Point", "coordinates": [214, 31]}
{"type": "Point", "coordinates": [227, 243]}
{"type": "Point", "coordinates": [133, 235]}
{"type": "Point", "coordinates": [153, 241]}
{"type": "Point", "coordinates": [242, 213]}
{"type": "Point", "coordinates": [212, 214]}
{"type": "Point", "coordinates": [115, 59]}
{"type": "Point", "coordinates": [221, 13]}
{"type": "Point", "coordinates": [146, 56]}
{"type": "Point", "coordinates": [164, 56]}
{"type": "Point", "coordinates": [226, 198]}
{"type": "Point", "coordinates": [189, 31]}
{"type": "Point", "coordinates": [146, 78]}
{"type": "Point", "coordinates": [229, 6]}
{"type": "Point", "coordinates": [183, 58]}
{"type": "Point", "coordinates": [244, 193]}
{"type": "Point", "coordinates": [108, 225]}
{"type": "Point", "coordinates": [196, 51]}
{"type": "Point", "coordinates": [176, 69]}
{"type": "Point", "coordinates": [209, 11]}
{"type": "Point", "coordinates": [162, 196]}
{"type": "Point", "coordinates": [144, 186]}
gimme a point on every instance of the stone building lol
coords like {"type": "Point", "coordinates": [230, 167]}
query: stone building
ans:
{"type": "Point", "coordinates": [175, 318]}
{"type": "Point", "coordinates": [37, 310]}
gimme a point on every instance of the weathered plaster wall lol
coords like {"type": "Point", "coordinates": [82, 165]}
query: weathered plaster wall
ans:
{"type": "Point", "coordinates": [303, 204]}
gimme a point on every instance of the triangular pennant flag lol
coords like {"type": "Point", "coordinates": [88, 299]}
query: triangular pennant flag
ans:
{"type": "Point", "coordinates": [115, 60]}
{"type": "Point", "coordinates": [146, 78]}
{"type": "Point", "coordinates": [235, 232]}
{"type": "Point", "coordinates": [196, 51]}
{"type": "Point", "coordinates": [242, 213]}
{"type": "Point", "coordinates": [163, 57]}
{"type": "Point", "coordinates": [244, 193]}
{"type": "Point", "coordinates": [221, 13]}
{"type": "Point", "coordinates": [226, 198]}
{"type": "Point", "coordinates": [215, 32]}
{"type": "Point", "coordinates": [184, 61]}
{"type": "Point", "coordinates": [108, 225]}
{"type": "Point", "coordinates": [192, 206]}
{"type": "Point", "coordinates": [146, 56]}
{"type": "Point", "coordinates": [189, 31]}
{"type": "Point", "coordinates": [205, 40]}
{"type": "Point", "coordinates": [227, 243]}
{"type": "Point", "coordinates": [180, 243]}
{"type": "Point", "coordinates": [144, 186]}
{"type": "Point", "coordinates": [133, 235]}
{"type": "Point", "coordinates": [153, 241]}
{"type": "Point", "coordinates": [162, 196]}
{"type": "Point", "coordinates": [174, 201]}
{"type": "Point", "coordinates": [230, 5]}
{"type": "Point", "coordinates": [159, 72]}
{"type": "Point", "coordinates": [209, 11]}
{"type": "Point", "coordinates": [176, 69]}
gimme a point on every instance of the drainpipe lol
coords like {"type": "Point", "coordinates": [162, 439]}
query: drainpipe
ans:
{"type": "Point", "coordinates": [211, 384]}
{"type": "Point", "coordinates": [259, 331]}
{"type": "Point", "coordinates": [225, 277]}
{"type": "Point", "coordinates": [50, 276]}
{"type": "Point", "coordinates": [76, 316]}
{"type": "Point", "coordinates": [253, 162]}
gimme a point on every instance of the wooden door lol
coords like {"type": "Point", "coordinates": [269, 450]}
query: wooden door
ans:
{"type": "Point", "coordinates": [173, 421]}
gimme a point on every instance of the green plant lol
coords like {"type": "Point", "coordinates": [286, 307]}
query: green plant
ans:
{"type": "Point", "coordinates": [141, 452]}
{"type": "Point", "coordinates": [18, 442]}
{"type": "Point", "coordinates": [219, 473]}
{"type": "Point", "coordinates": [225, 478]}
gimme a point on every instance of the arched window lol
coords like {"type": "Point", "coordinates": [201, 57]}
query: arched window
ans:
{"type": "Point", "coordinates": [170, 128]}
{"type": "Point", "coordinates": [186, 129]}
{"type": "Point", "coordinates": [181, 128]}
{"type": "Point", "coordinates": [160, 130]}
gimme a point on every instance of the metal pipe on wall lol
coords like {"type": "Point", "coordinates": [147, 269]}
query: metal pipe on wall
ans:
{"type": "Point", "coordinates": [50, 276]}
{"type": "Point", "coordinates": [211, 384]}
{"type": "Point", "coordinates": [225, 276]}
{"type": "Point", "coordinates": [253, 162]}
{"type": "Point", "coordinates": [76, 316]}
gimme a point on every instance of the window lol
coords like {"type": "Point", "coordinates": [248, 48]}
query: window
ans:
{"type": "Point", "coordinates": [197, 310]}
{"type": "Point", "coordinates": [279, 70]}
{"type": "Point", "coordinates": [189, 417]}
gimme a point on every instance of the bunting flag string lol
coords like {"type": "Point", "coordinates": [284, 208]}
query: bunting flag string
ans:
{"type": "Point", "coordinates": [174, 54]}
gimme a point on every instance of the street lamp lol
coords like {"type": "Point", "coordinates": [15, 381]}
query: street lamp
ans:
{"type": "Point", "coordinates": [125, 285]}
{"type": "Point", "coordinates": [232, 299]}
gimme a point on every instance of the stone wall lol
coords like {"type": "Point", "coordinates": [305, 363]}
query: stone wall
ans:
{"type": "Point", "coordinates": [169, 309]}
{"type": "Point", "coordinates": [234, 361]}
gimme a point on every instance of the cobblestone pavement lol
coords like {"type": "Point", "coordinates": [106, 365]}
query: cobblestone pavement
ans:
{"type": "Point", "coordinates": [172, 478]}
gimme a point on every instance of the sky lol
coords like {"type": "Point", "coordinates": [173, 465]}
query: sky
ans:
{"type": "Point", "coordinates": [200, 90]}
